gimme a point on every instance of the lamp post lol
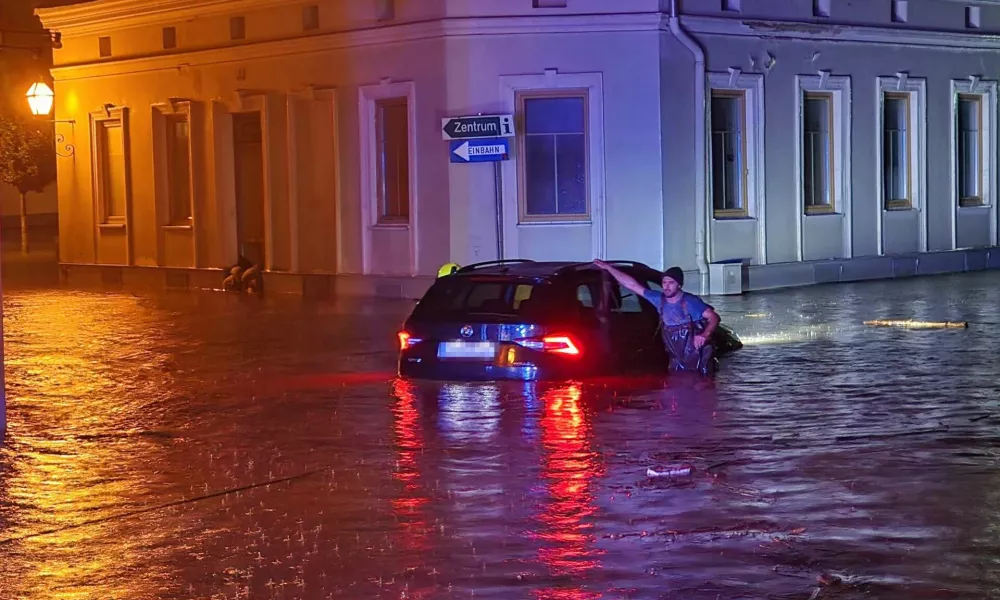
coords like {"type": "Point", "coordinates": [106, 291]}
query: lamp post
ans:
{"type": "Point", "coordinates": [40, 100]}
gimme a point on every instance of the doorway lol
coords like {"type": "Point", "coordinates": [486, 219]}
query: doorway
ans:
{"type": "Point", "coordinates": [248, 154]}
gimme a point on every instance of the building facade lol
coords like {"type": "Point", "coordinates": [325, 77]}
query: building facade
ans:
{"type": "Point", "coordinates": [799, 141]}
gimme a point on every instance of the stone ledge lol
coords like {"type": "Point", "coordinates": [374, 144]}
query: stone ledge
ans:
{"type": "Point", "coordinates": [870, 268]}
{"type": "Point", "coordinates": [319, 286]}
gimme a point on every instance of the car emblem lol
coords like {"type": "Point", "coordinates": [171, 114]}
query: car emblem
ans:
{"type": "Point", "coordinates": [466, 331]}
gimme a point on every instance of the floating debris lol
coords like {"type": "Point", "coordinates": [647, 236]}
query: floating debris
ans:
{"type": "Point", "coordinates": [677, 472]}
{"type": "Point", "coordinates": [910, 324]}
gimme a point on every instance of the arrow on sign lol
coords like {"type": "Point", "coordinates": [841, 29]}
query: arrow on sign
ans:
{"type": "Point", "coordinates": [462, 151]}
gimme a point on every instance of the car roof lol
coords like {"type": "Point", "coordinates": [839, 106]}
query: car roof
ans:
{"type": "Point", "coordinates": [530, 268]}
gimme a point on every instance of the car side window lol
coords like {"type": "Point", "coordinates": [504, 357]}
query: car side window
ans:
{"type": "Point", "coordinates": [585, 295]}
{"type": "Point", "coordinates": [625, 301]}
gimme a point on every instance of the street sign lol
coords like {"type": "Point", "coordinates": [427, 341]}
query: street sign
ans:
{"type": "Point", "coordinates": [484, 126]}
{"type": "Point", "coordinates": [480, 150]}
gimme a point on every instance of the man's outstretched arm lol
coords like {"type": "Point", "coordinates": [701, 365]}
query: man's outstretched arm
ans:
{"type": "Point", "coordinates": [712, 320]}
{"type": "Point", "coordinates": [623, 278]}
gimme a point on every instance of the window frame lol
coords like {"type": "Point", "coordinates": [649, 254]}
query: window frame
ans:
{"type": "Point", "coordinates": [744, 195]}
{"type": "Point", "coordinates": [751, 87]}
{"type": "Point", "coordinates": [367, 98]}
{"type": "Point", "coordinates": [596, 227]}
{"type": "Point", "coordinates": [381, 185]}
{"type": "Point", "coordinates": [838, 89]}
{"type": "Point", "coordinates": [100, 120]}
{"type": "Point", "coordinates": [162, 156]}
{"type": "Point", "coordinates": [830, 206]}
{"type": "Point", "coordinates": [520, 128]}
{"type": "Point", "coordinates": [914, 91]}
{"type": "Point", "coordinates": [985, 93]}
{"type": "Point", "coordinates": [904, 202]}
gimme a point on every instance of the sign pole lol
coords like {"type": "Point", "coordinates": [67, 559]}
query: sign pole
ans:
{"type": "Point", "coordinates": [498, 190]}
{"type": "Point", "coordinates": [3, 386]}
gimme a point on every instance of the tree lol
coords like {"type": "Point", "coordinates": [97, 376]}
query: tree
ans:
{"type": "Point", "coordinates": [27, 161]}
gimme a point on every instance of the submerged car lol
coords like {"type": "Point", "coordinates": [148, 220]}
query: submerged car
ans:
{"type": "Point", "coordinates": [527, 320]}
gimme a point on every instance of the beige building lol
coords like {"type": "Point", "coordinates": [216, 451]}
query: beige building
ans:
{"type": "Point", "coordinates": [755, 144]}
{"type": "Point", "coordinates": [307, 137]}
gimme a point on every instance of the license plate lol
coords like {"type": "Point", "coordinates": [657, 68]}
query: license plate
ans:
{"type": "Point", "coordinates": [480, 350]}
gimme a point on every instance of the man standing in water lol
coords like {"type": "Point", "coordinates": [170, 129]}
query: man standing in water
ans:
{"type": "Point", "coordinates": [687, 322]}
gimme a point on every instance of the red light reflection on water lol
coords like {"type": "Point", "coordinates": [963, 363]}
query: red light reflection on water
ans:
{"type": "Point", "coordinates": [569, 468]}
{"type": "Point", "coordinates": [409, 506]}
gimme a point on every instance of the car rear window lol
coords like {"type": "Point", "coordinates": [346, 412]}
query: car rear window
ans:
{"type": "Point", "coordinates": [457, 295]}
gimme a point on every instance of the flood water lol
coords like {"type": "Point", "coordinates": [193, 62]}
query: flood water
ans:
{"type": "Point", "coordinates": [200, 445]}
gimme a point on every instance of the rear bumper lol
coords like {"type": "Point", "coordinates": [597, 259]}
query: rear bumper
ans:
{"type": "Point", "coordinates": [414, 366]}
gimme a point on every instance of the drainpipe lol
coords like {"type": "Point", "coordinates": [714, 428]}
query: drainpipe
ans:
{"type": "Point", "coordinates": [701, 212]}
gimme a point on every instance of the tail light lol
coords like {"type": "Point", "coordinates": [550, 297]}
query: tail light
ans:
{"type": "Point", "coordinates": [406, 340]}
{"type": "Point", "coordinates": [556, 344]}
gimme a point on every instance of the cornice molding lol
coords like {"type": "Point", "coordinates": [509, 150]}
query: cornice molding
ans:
{"type": "Point", "coordinates": [393, 34]}
{"type": "Point", "coordinates": [100, 16]}
{"type": "Point", "coordinates": [524, 25]}
{"type": "Point", "coordinates": [857, 34]}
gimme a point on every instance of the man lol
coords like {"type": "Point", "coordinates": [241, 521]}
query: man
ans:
{"type": "Point", "coordinates": [687, 321]}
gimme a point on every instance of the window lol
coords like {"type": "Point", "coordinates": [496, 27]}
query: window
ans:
{"type": "Point", "coordinates": [553, 157]}
{"type": "Point", "coordinates": [169, 38]}
{"type": "Point", "coordinates": [817, 152]}
{"type": "Point", "coordinates": [178, 137]}
{"type": "Point", "coordinates": [385, 10]}
{"type": "Point", "coordinates": [972, 19]}
{"type": "Point", "coordinates": [896, 150]}
{"type": "Point", "coordinates": [392, 159]}
{"type": "Point", "coordinates": [821, 8]}
{"type": "Point", "coordinates": [110, 168]}
{"type": "Point", "coordinates": [729, 171]}
{"type": "Point", "coordinates": [823, 137]}
{"type": "Point", "coordinates": [457, 296]}
{"type": "Point", "coordinates": [902, 141]}
{"type": "Point", "coordinates": [899, 11]}
{"type": "Point", "coordinates": [237, 28]}
{"type": "Point", "coordinates": [973, 124]}
{"type": "Point", "coordinates": [970, 150]}
{"type": "Point", "coordinates": [736, 144]}
{"type": "Point", "coordinates": [104, 46]}
{"type": "Point", "coordinates": [310, 17]}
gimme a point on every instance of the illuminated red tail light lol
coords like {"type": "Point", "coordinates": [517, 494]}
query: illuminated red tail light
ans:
{"type": "Point", "coordinates": [556, 344]}
{"type": "Point", "coordinates": [406, 340]}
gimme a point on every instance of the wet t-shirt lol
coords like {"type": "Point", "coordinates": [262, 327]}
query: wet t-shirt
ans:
{"type": "Point", "coordinates": [674, 313]}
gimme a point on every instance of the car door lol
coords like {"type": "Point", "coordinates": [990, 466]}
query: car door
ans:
{"type": "Point", "coordinates": [634, 327]}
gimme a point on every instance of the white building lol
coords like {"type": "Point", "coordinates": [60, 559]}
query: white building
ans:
{"type": "Point", "coordinates": [840, 142]}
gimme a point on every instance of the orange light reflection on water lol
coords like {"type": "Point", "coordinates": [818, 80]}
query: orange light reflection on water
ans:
{"type": "Point", "coordinates": [409, 506]}
{"type": "Point", "coordinates": [569, 468]}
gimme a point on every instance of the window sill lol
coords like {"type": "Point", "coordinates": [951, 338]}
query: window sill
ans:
{"type": "Point", "coordinates": [555, 223]}
{"type": "Point", "coordinates": [973, 206]}
{"type": "Point", "coordinates": [391, 225]}
{"type": "Point", "coordinates": [897, 209]}
{"type": "Point", "coordinates": [823, 213]}
{"type": "Point", "coordinates": [111, 226]}
{"type": "Point", "coordinates": [177, 227]}
{"type": "Point", "coordinates": [732, 217]}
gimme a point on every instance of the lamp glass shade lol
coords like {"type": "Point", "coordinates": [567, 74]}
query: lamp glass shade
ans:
{"type": "Point", "coordinates": [40, 98]}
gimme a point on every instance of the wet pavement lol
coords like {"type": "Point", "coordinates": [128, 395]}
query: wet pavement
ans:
{"type": "Point", "coordinates": [202, 445]}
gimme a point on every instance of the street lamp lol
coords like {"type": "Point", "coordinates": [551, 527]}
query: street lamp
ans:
{"type": "Point", "coordinates": [40, 98]}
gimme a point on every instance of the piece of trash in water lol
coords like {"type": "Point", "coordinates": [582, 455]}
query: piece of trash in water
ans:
{"type": "Point", "coordinates": [910, 324]}
{"type": "Point", "coordinates": [675, 472]}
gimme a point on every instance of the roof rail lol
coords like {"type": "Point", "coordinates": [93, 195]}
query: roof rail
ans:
{"type": "Point", "coordinates": [630, 263]}
{"type": "Point", "coordinates": [490, 263]}
{"type": "Point", "coordinates": [624, 263]}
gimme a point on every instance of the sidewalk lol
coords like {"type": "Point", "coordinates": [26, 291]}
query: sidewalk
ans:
{"type": "Point", "coordinates": [38, 268]}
